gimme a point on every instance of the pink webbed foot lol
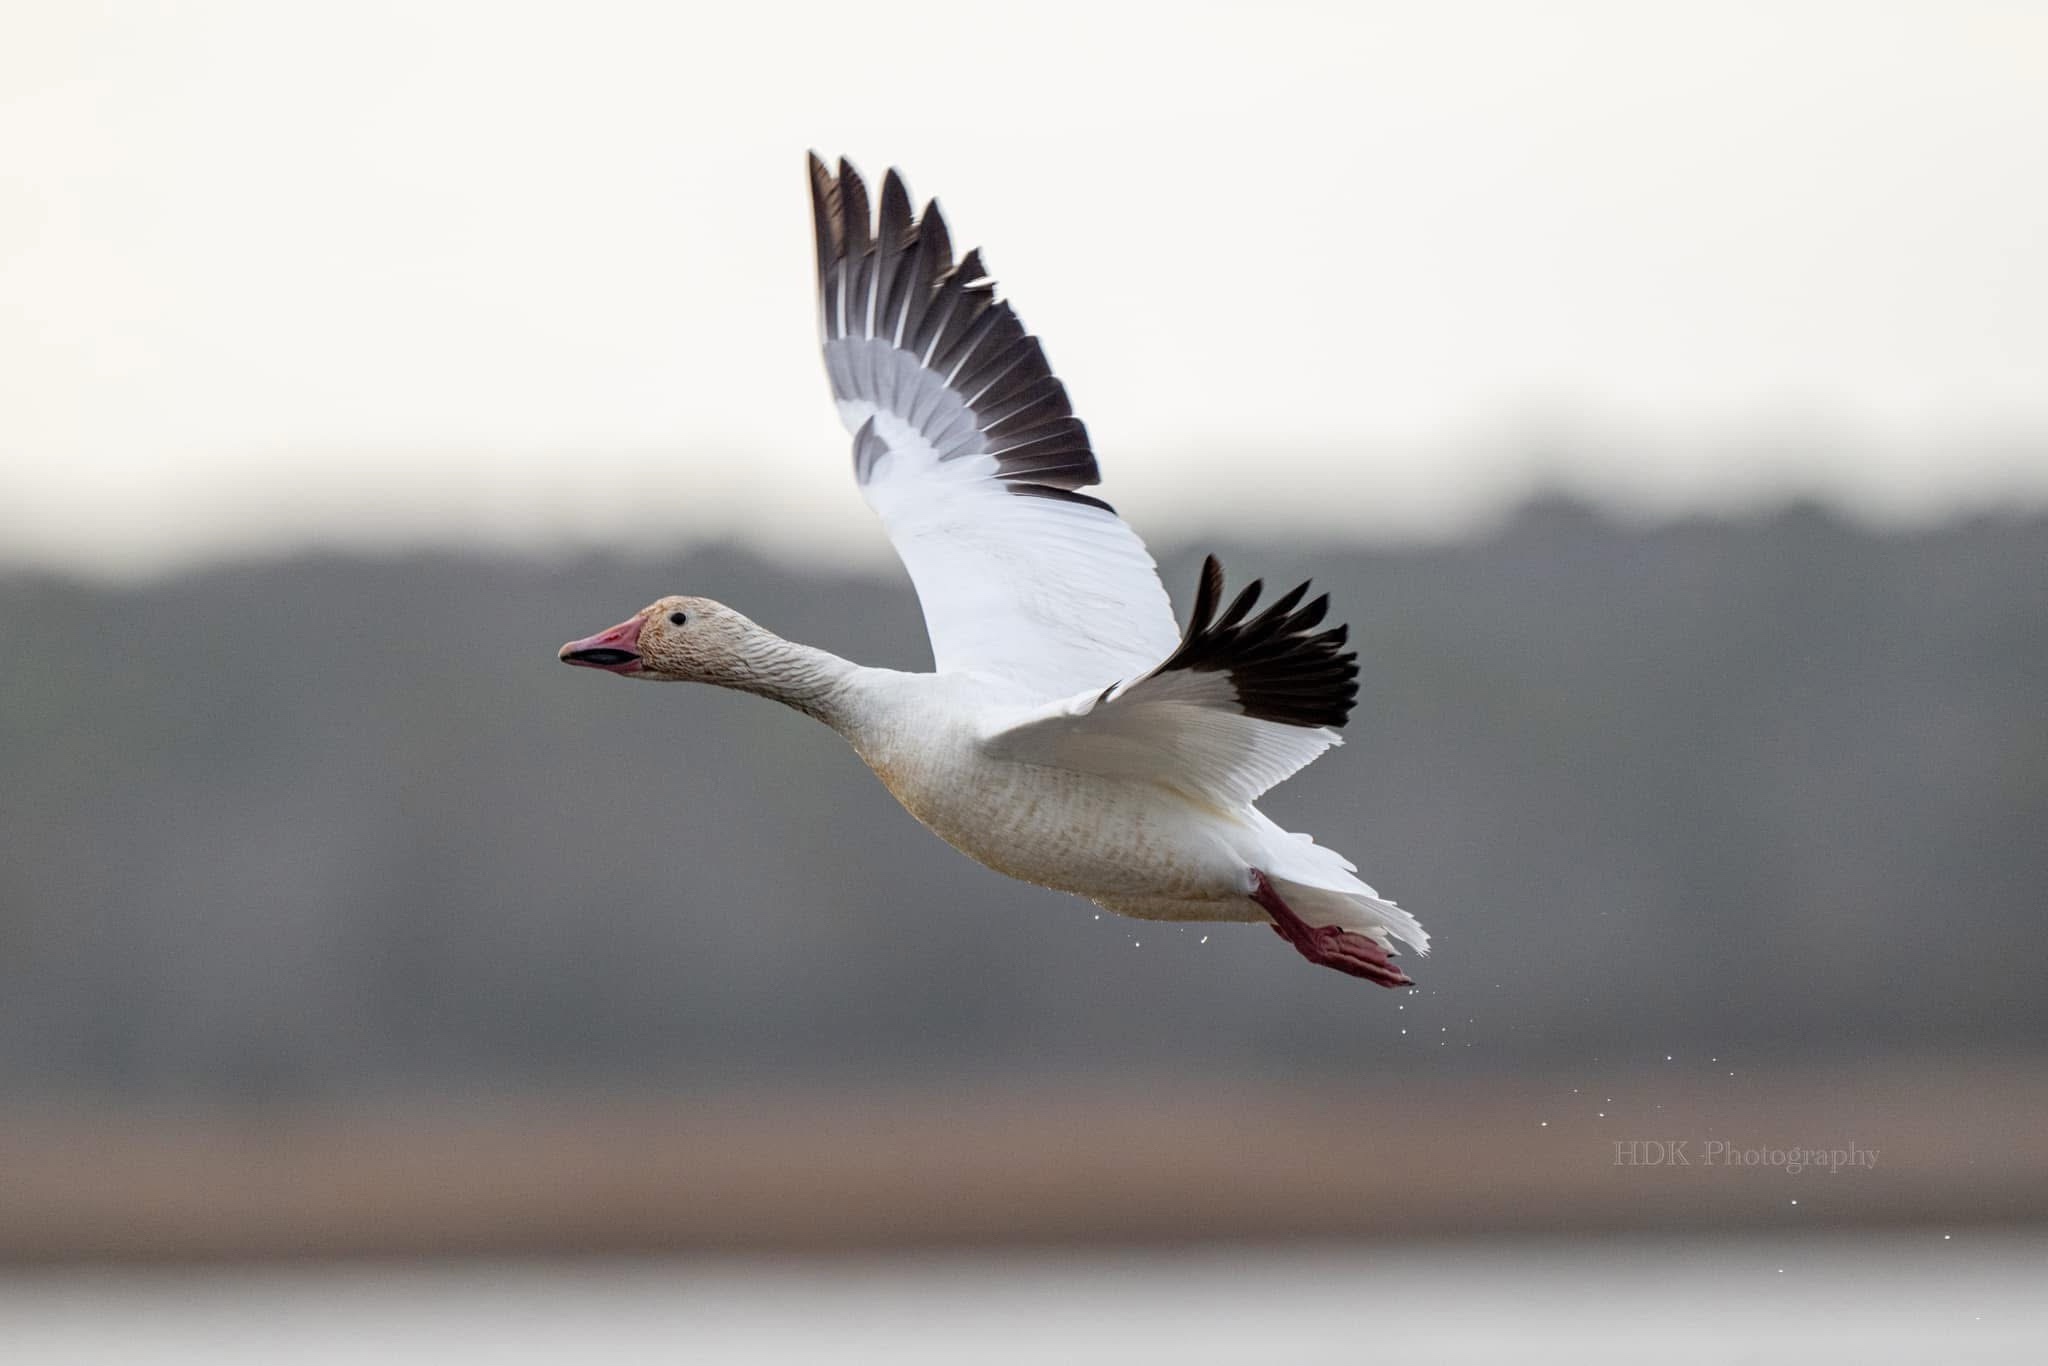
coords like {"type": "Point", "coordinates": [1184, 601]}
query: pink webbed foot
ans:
{"type": "Point", "coordinates": [1345, 950]}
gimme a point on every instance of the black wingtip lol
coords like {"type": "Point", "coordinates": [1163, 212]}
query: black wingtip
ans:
{"type": "Point", "coordinates": [1208, 592]}
{"type": "Point", "coordinates": [824, 217]}
{"type": "Point", "coordinates": [1241, 605]}
{"type": "Point", "coordinates": [894, 280]}
{"type": "Point", "coordinates": [895, 205]}
{"type": "Point", "coordinates": [1280, 667]}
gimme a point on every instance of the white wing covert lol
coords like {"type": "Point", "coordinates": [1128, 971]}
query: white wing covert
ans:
{"type": "Point", "coordinates": [967, 448]}
{"type": "Point", "coordinates": [1242, 703]}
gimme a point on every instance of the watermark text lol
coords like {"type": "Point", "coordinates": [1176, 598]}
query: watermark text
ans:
{"type": "Point", "coordinates": [1722, 1152]}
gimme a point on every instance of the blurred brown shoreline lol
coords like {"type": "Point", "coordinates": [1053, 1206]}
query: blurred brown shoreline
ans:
{"type": "Point", "coordinates": [761, 1171]}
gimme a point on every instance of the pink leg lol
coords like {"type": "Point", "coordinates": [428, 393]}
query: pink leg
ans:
{"type": "Point", "coordinates": [1328, 945]}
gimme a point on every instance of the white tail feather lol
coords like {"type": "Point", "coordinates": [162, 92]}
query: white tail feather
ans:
{"type": "Point", "coordinates": [1323, 888]}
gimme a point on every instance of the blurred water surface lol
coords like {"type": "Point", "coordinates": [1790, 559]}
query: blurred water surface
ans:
{"type": "Point", "coordinates": [1964, 1297]}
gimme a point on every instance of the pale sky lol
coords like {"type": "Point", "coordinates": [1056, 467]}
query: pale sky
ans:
{"type": "Point", "coordinates": [393, 275]}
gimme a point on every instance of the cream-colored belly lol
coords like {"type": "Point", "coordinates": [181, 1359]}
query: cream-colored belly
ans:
{"type": "Point", "coordinates": [1110, 840]}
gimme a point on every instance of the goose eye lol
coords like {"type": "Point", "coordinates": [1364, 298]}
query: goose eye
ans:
{"type": "Point", "coordinates": [677, 619]}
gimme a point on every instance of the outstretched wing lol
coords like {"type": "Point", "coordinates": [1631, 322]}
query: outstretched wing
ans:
{"type": "Point", "coordinates": [965, 445]}
{"type": "Point", "coordinates": [1243, 702]}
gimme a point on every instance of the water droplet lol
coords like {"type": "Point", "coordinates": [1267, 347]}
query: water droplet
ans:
{"type": "Point", "coordinates": [1205, 939]}
{"type": "Point", "coordinates": [1543, 1124]}
{"type": "Point", "coordinates": [1795, 1202]}
{"type": "Point", "coordinates": [1667, 1057]}
{"type": "Point", "coordinates": [1603, 1114]}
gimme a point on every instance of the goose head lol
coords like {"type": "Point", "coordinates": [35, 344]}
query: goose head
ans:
{"type": "Point", "coordinates": [675, 640]}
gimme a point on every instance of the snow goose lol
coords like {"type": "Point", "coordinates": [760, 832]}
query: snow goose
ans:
{"type": "Point", "coordinates": [1069, 735]}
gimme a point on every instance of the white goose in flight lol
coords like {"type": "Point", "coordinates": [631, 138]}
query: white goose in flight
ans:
{"type": "Point", "coordinates": [1070, 734]}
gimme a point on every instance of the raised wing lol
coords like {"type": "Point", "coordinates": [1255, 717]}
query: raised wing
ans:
{"type": "Point", "coordinates": [966, 446]}
{"type": "Point", "coordinates": [1243, 702]}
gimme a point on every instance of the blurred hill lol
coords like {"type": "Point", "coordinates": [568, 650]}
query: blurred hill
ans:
{"type": "Point", "coordinates": [1772, 791]}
